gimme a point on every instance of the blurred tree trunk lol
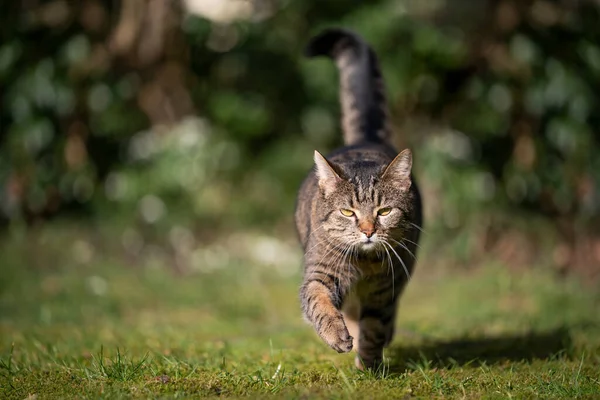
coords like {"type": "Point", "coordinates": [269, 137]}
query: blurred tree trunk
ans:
{"type": "Point", "coordinates": [148, 40]}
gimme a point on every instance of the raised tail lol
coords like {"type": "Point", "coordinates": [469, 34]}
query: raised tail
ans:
{"type": "Point", "coordinates": [362, 92]}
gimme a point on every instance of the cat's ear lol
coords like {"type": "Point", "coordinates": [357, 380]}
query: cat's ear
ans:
{"type": "Point", "coordinates": [328, 178]}
{"type": "Point", "coordinates": [399, 169]}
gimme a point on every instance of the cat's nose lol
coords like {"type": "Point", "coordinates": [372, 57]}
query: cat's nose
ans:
{"type": "Point", "coordinates": [367, 229]}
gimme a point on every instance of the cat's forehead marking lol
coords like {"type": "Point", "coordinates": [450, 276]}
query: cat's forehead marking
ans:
{"type": "Point", "coordinates": [364, 188]}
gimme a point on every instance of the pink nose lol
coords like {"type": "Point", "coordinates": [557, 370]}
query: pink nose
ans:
{"type": "Point", "coordinates": [368, 229]}
{"type": "Point", "coordinates": [369, 233]}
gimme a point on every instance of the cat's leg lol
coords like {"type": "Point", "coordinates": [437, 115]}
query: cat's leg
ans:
{"type": "Point", "coordinates": [322, 295]}
{"type": "Point", "coordinates": [391, 330]}
{"type": "Point", "coordinates": [375, 327]}
{"type": "Point", "coordinates": [376, 321]}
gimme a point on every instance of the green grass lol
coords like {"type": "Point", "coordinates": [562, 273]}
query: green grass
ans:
{"type": "Point", "coordinates": [102, 326]}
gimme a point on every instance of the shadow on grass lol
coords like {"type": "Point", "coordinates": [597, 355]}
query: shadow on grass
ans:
{"type": "Point", "coordinates": [479, 351]}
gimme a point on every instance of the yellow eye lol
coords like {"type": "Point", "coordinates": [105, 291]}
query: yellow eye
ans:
{"type": "Point", "coordinates": [347, 213]}
{"type": "Point", "coordinates": [384, 211]}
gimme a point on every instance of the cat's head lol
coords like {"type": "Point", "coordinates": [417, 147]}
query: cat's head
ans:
{"type": "Point", "coordinates": [365, 205]}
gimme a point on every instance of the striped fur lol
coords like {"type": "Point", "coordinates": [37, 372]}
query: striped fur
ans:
{"type": "Point", "coordinates": [362, 93]}
{"type": "Point", "coordinates": [358, 215]}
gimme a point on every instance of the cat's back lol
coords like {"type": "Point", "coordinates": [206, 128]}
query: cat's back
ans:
{"type": "Point", "coordinates": [349, 156]}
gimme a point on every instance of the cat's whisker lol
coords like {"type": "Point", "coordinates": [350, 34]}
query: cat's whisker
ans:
{"type": "Point", "coordinates": [333, 248]}
{"type": "Point", "coordinates": [418, 227]}
{"type": "Point", "coordinates": [391, 268]}
{"type": "Point", "coordinates": [404, 247]}
{"type": "Point", "coordinates": [348, 251]}
{"type": "Point", "coordinates": [320, 242]}
{"type": "Point", "coordinates": [410, 241]}
{"type": "Point", "coordinates": [399, 259]}
{"type": "Point", "coordinates": [340, 260]}
{"type": "Point", "coordinates": [328, 243]}
{"type": "Point", "coordinates": [329, 251]}
{"type": "Point", "coordinates": [322, 226]}
{"type": "Point", "coordinates": [325, 239]}
{"type": "Point", "coordinates": [335, 264]}
{"type": "Point", "coordinates": [347, 260]}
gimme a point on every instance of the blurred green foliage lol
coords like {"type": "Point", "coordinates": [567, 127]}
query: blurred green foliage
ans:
{"type": "Point", "coordinates": [213, 122]}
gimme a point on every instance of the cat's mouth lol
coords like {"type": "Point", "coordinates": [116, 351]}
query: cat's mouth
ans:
{"type": "Point", "coordinates": [369, 243]}
{"type": "Point", "coordinates": [368, 246]}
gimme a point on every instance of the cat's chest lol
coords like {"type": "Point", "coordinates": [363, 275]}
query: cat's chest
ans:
{"type": "Point", "coordinates": [364, 288]}
{"type": "Point", "coordinates": [371, 275]}
{"type": "Point", "coordinates": [370, 268]}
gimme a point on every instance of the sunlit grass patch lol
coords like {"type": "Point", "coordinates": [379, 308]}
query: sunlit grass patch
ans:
{"type": "Point", "coordinates": [108, 329]}
{"type": "Point", "coordinates": [119, 368]}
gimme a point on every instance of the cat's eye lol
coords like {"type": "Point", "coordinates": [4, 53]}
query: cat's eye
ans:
{"type": "Point", "coordinates": [384, 211]}
{"type": "Point", "coordinates": [347, 213]}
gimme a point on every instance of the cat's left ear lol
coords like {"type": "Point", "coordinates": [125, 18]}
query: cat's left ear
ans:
{"type": "Point", "coordinates": [328, 178]}
{"type": "Point", "coordinates": [398, 171]}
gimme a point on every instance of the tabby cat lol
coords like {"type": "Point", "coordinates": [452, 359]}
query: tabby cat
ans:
{"type": "Point", "coordinates": [358, 214]}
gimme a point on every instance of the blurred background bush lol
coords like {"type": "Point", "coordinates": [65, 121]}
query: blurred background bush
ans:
{"type": "Point", "coordinates": [175, 123]}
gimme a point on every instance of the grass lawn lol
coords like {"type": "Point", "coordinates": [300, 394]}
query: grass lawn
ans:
{"type": "Point", "coordinates": [78, 322]}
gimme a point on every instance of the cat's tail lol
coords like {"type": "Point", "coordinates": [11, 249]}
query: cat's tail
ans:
{"type": "Point", "coordinates": [362, 92]}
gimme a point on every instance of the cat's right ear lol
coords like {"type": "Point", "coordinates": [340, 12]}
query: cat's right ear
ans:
{"type": "Point", "coordinates": [398, 172]}
{"type": "Point", "coordinates": [328, 178]}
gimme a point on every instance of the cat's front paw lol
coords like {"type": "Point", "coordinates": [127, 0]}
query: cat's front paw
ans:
{"type": "Point", "coordinates": [335, 334]}
{"type": "Point", "coordinates": [373, 364]}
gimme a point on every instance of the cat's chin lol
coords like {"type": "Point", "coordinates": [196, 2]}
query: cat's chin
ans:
{"type": "Point", "coordinates": [369, 247]}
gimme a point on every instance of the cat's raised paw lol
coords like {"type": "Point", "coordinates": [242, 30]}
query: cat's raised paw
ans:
{"type": "Point", "coordinates": [337, 337]}
{"type": "Point", "coordinates": [343, 345]}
